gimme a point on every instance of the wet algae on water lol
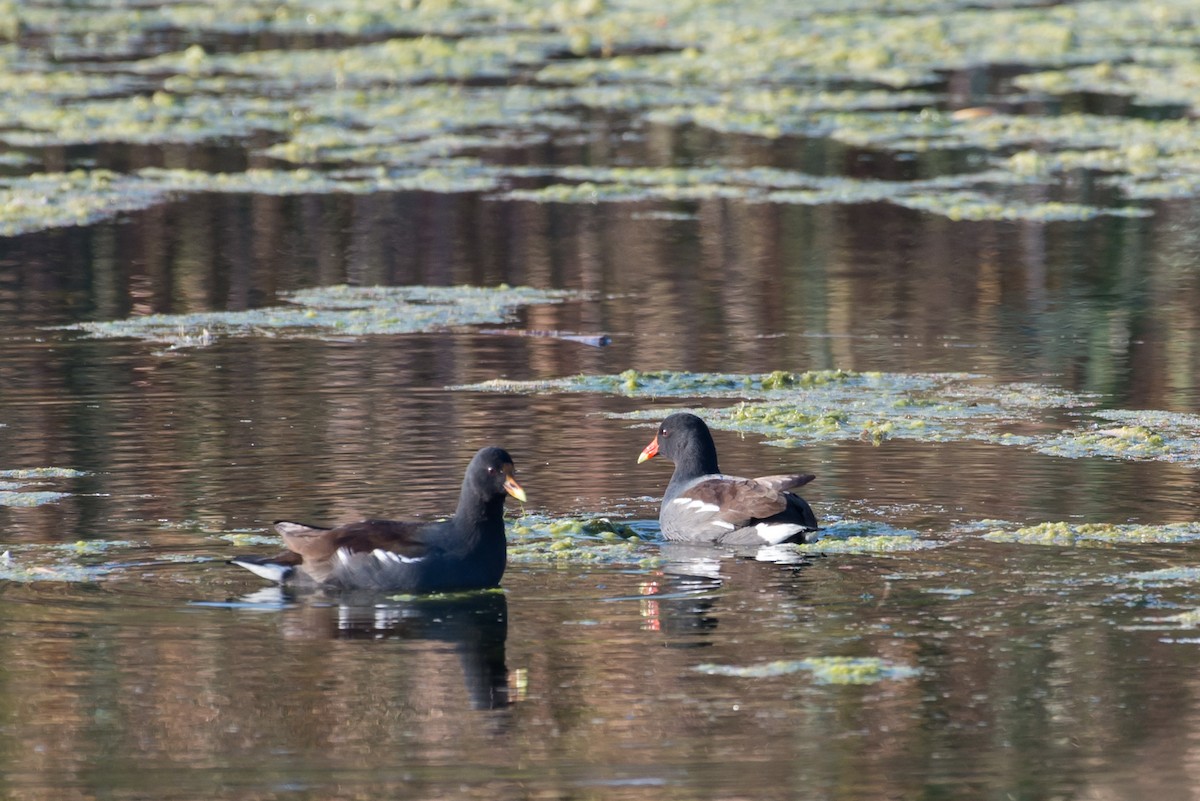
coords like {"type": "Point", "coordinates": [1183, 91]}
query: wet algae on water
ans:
{"type": "Point", "coordinates": [337, 311]}
{"type": "Point", "coordinates": [508, 73]}
{"type": "Point", "coordinates": [570, 543]}
{"type": "Point", "coordinates": [794, 409]}
{"type": "Point", "coordinates": [824, 670]}
{"type": "Point", "coordinates": [33, 486]}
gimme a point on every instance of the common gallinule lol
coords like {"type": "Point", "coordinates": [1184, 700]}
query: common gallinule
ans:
{"type": "Point", "coordinates": [466, 552]}
{"type": "Point", "coordinates": [703, 505]}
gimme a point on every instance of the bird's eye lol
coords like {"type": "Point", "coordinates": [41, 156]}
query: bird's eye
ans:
{"type": "Point", "coordinates": [664, 433]}
{"type": "Point", "coordinates": [491, 470]}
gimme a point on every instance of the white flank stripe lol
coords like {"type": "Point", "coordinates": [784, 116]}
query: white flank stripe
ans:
{"type": "Point", "coordinates": [724, 524]}
{"type": "Point", "coordinates": [701, 506]}
{"type": "Point", "coordinates": [392, 556]}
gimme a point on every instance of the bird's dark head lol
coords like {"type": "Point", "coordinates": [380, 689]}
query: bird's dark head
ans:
{"type": "Point", "coordinates": [491, 471]}
{"type": "Point", "coordinates": [682, 435]}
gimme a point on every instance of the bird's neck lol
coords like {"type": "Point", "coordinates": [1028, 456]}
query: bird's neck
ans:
{"type": "Point", "coordinates": [700, 461]}
{"type": "Point", "coordinates": [473, 510]}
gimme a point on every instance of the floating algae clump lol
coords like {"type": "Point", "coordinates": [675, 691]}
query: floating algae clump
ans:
{"type": "Point", "coordinates": [1096, 535]}
{"type": "Point", "coordinates": [15, 485]}
{"type": "Point", "coordinates": [865, 537]}
{"type": "Point", "coordinates": [825, 670]}
{"type": "Point", "coordinates": [789, 417]}
{"type": "Point", "coordinates": [337, 311]}
{"type": "Point", "coordinates": [597, 540]}
{"type": "Point", "coordinates": [1186, 620]}
{"type": "Point", "coordinates": [244, 539]}
{"type": "Point", "coordinates": [1125, 441]}
{"type": "Point", "coordinates": [70, 562]}
{"type": "Point", "coordinates": [55, 200]}
{"type": "Point", "coordinates": [666, 383]}
{"type": "Point", "coordinates": [799, 408]}
{"type": "Point", "coordinates": [414, 82]}
{"type": "Point", "coordinates": [17, 569]}
{"type": "Point", "coordinates": [449, 177]}
{"type": "Point", "coordinates": [1141, 435]}
{"type": "Point", "coordinates": [156, 119]}
{"type": "Point", "coordinates": [959, 197]}
{"type": "Point", "coordinates": [1166, 576]}
{"type": "Point", "coordinates": [873, 412]}
{"type": "Point", "coordinates": [16, 497]}
{"type": "Point", "coordinates": [793, 409]}
{"type": "Point", "coordinates": [39, 473]}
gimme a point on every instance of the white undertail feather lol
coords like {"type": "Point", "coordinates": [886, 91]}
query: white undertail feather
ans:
{"type": "Point", "coordinates": [775, 533]}
{"type": "Point", "coordinates": [269, 571]}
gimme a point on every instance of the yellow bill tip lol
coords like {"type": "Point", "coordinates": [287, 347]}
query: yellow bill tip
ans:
{"type": "Point", "coordinates": [650, 451]}
{"type": "Point", "coordinates": [514, 489]}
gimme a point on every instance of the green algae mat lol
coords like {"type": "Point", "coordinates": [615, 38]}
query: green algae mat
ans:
{"type": "Point", "coordinates": [425, 96]}
{"type": "Point", "coordinates": [796, 409]}
{"type": "Point", "coordinates": [333, 312]}
{"type": "Point", "coordinates": [823, 669]}
{"type": "Point", "coordinates": [1096, 535]}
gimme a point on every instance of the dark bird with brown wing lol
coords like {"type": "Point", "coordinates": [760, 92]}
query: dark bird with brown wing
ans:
{"type": "Point", "coordinates": [466, 552]}
{"type": "Point", "coordinates": [704, 505]}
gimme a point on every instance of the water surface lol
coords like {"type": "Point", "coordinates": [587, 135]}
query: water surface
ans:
{"type": "Point", "coordinates": [157, 671]}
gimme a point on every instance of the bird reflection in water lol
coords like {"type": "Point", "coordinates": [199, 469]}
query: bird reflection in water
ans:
{"type": "Point", "coordinates": [475, 624]}
{"type": "Point", "coordinates": [682, 600]}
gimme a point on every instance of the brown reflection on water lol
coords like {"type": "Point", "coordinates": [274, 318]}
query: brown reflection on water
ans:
{"type": "Point", "coordinates": [1101, 305]}
{"type": "Point", "coordinates": [857, 287]}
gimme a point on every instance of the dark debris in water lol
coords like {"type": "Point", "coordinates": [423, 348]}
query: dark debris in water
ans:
{"type": "Point", "coordinates": [592, 340]}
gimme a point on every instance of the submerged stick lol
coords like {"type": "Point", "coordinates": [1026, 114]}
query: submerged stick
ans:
{"type": "Point", "coordinates": [594, 340]}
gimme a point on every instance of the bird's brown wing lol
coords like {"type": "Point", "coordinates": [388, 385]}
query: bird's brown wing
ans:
{"type": "Point", "coordinates": [784, 482]}
{"type": "Point", "coordinates": [318, 546]}
{"type": "Point", "coordinates": [739, 501]}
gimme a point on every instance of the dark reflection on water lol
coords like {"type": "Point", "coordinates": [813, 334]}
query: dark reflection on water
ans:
{"type": "Point", "coordinates": [475, 627]}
